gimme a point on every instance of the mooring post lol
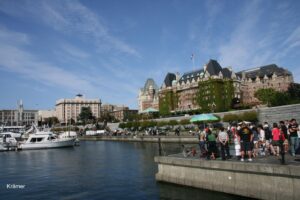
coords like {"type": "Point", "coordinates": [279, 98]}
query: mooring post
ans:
{"type": "Point", "coordinates": [159, 146]}
{"type": "Point", "coordinates": [282, 152]}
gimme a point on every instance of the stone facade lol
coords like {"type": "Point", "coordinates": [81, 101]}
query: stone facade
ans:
{"type": "Point", "coordinates": [67, 109]}
{"type": "Point", "coordinates": [123, 114]}
{"type": "Point", "coordinates": [18, 117]}
{"type": "Point", "coordinates": [44, 114]}
{"type": "Point", "coordinates": [186, 86]}
{"type": "Point", "coordinates": [269, 76]}
{"type": "Point", "coordinates": [148, 96]}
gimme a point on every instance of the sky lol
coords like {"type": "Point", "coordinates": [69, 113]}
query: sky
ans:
{"type": "Point", "coordinates": [107, 49]}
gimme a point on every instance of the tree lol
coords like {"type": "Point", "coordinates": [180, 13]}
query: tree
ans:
{"type": "Point", "coordinates": [51, 121]}
{"type": "Point", "coordinates": [272, 97]}
{"type": "Point", "coordinates": [265, 95]}
{"type": "Point", "coordinates": [86, 115]}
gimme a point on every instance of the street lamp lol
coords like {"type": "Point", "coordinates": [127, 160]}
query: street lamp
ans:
{"type": "Point", "coordinates": [213, 106]}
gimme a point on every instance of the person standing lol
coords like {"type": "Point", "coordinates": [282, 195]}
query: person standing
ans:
{"type": "Point", "coordinates": [246, 137]}
{"type": "Point", "coordinates": [202, 137]}
{"type": "Point", "coordinates": [255, 140]}
{"type": "Point", "coordinates": [293, 129]}
{"type": "Point", "coordinates": [261, 141]}
{"type": "Point", "coordinates": [275, 140]}
{"type": "Point", "coordinates": [268, 136]}
{"type": "Point", "coordinates": [284, 131]}
{"type": "Point", "coordinates": [236, 141]}
{"type": "Point", "coordinates": [223, 138]}
{"type": "Point", "coordinates": [211, 144]}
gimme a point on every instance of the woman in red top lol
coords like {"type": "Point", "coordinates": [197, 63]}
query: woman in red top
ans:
{"type": "Point", "coordinates": [275, 140]}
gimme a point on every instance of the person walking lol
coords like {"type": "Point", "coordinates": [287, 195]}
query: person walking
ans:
{"type": "Point", "coordinates": [246, 137]}
{"type": "Point", "coordinates": [223, 139]}
{"type": "Point", "coordinates": [293, 129]}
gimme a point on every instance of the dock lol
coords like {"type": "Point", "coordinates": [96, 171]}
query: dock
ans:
{"type": "Point", "coordinates": [264, 178]}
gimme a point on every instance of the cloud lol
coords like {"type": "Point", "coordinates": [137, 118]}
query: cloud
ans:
{"type": "Point", "coordinates": [14, 58]}
{"type": "Point", "coordinates": [74, 51]}
{"type": "Point", "coordinates": [13, 37]}
{"type": "Point", "coordinates": [71, 17]}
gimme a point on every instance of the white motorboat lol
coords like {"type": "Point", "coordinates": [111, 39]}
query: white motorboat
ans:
{"type": "Point", "coordinates": [70, 134]}
{"type": "Point", "coordinates": [45, 140]}
{"type": "Point", "coordinates": [8, 141]}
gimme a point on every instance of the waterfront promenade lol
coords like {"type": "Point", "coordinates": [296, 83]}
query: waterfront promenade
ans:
{"type": "Point", "coordinates": [264, 178]}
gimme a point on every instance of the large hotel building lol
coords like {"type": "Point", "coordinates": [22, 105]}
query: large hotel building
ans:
{"type": "Point", "coordinates": [67, 109]}
{"type": "Point", "coordinates": [181, 93]}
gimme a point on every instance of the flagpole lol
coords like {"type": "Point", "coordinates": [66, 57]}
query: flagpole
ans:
{"type": "Point", "coordinates": [193, 60]}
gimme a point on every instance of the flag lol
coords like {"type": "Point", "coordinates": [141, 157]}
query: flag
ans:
{"type": "Point", "coordinates": [192, 56]}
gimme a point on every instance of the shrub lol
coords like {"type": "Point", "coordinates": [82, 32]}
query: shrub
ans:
{"type": "Point", "coordinates": [250, 116]}
{"type": "Point", "coordinates": [162, 123]}
{"type": "Point", "coordinates": [230, 118]}
{"type": "Point", "coordinates": [184, 122]}
{"type": "Point", "coordinates": [173, 122]}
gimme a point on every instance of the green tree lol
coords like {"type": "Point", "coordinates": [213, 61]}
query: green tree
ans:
{"type": "Point", "coordinates": [168, 101]}
{"type": "Point", "coordinates": [271, 97]}
{"type": "Point", "coordinates": [294, 90]}
{"type": "Point", "coordinates": [265, 95]}
{"type": "Point", "coordinates": [86, 115]}
{"type": "Point", "coordinates": [50, 121]}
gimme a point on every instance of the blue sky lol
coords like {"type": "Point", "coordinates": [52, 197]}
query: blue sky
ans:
{"type": "Point", "coordinates": [107, 49]}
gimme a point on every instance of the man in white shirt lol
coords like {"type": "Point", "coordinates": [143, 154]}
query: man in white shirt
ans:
{"type": "Point", "coordinates": [224, 139]}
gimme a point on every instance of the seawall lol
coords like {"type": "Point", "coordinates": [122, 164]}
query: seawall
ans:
{"type": "Point", "coordinates": [163, 139]}
{"type": "Point", "coordinates": [255, 180]}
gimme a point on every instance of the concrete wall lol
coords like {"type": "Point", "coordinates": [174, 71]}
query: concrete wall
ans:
{"type": "Point", "coordinates": [276, 114]}
{"type": "Point", "coordinates": [270, 115]}
{"type": "Point", "coordinates": [168, 139]}
{"type": "Point", "coordinates": [263, 181]}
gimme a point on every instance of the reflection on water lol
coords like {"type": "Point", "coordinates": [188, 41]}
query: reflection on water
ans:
{"type": "Point", "coordinates": [95, 170]}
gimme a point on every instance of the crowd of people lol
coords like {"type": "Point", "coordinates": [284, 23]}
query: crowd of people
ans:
{"type": "Point", "coordinates": [250, 141]}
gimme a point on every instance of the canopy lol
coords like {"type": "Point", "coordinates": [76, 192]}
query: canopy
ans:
{"type": "Point", "coordinates": [149, 110]}
{"type": "Point", "coordinates": [203, 118]}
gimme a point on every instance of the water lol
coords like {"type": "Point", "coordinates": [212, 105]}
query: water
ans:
{"type": "Point", "coordinates": [95, 170]}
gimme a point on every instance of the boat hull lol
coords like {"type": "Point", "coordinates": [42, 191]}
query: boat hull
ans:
{"type": "Point", "coordinates": [68, 142]}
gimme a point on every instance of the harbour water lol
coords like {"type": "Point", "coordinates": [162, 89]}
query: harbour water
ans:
{"type": "Point", "coordinates": [95, 170]}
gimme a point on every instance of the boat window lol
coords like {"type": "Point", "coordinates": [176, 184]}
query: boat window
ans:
{"type": "Point", "coordinates": [33, 140]}
{"type": "Point", "coordinates": [52, 138]}
{"type": "Point", "coordinates": [39, 139]}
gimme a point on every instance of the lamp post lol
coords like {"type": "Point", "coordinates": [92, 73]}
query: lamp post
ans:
{"type": "Point", "coordinates": [213, 107]}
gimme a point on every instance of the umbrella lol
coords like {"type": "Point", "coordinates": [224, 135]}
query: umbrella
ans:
{"type": "Point", "coordinates": [246, 122]}
{"type": "Point", "coordinates": [149, 110]}
{"type": "Point", "coordinates": [203, 118]}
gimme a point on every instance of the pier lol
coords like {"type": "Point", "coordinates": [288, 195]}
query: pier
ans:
{"type": "Point", "coordinates": [264, 178]}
